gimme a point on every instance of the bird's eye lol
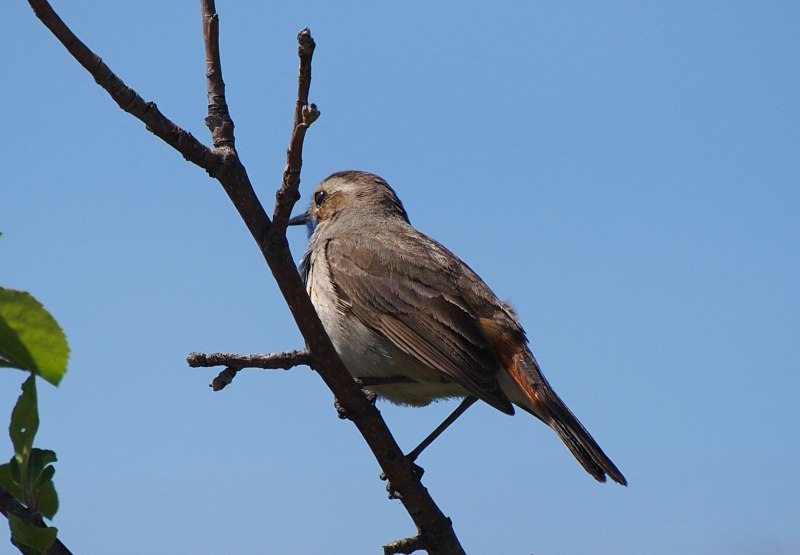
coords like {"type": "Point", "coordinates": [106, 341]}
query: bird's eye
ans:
{"type": "Point", "coordinates": [319, 197]}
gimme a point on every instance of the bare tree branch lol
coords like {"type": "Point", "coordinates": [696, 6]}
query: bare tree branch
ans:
{"type": "Point", "coordinates": [404, 546]}
{"type": "Point", "coordinates": [222, 162]}
{"type": "Point", "coordinates": [231, 173]}
{"type": "Point", "coordinates": [127, 99]}
{"type": "Point", "coordinates": [304, 115]}
{"type": "Point", "coordinates": [283, 361]}
{"type": "Point", "coordinates": [218, 121]}
{"type": "Point", "coordinates": [233, 363]}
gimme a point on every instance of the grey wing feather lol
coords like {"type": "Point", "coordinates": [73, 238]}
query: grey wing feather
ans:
{"type": "Point", "coordinates": [412, 299]}
{"type": "Point", "coordinates": [305, 267]}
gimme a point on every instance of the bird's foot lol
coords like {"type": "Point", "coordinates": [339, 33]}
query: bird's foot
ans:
{"type": "Point", "coordinates": [371, 396]}
{"type": "Point", "coordinates": [341, 412]}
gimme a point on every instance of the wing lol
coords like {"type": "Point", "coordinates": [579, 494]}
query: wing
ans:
{"type": "Point", "coordinates": [407, 290]}
{"type": "Point", "coordinates": [305, 267]}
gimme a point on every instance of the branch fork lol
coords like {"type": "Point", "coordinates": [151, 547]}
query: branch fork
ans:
{"type": "Point", "coordinates": [221, 161]}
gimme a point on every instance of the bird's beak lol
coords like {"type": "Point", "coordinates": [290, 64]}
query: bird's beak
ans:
{"type": "Point", "coordinates": [307, 219]}
{"type": "Point", "coordinates": [302, 219]}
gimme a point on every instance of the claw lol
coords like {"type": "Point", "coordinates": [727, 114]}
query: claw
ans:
{"type": "Point", "coordinates": [341, 412]}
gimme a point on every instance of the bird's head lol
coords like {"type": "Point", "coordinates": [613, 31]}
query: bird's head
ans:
{"type": "Point", "coordinates": [353, 193]}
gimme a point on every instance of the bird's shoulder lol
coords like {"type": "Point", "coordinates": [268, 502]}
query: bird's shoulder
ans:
{"type": "Point", "coordinates": [398, 254]}
{"type": "Point", "coordinates": [398, 260]}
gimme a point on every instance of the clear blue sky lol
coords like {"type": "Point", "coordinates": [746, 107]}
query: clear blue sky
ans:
{"type": "Point", "coordinates": [627, 175]}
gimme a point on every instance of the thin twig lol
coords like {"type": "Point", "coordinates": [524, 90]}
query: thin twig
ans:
{"type": "Point", "coordinates": [304, 115]}
{"type": "Point", "coordinates": [233, 363]}
{"type": "Point", "coordinates": [406, 546]}
{"type": "Point", "coordinates": [274, 361]}
{"type": "Point", "coordinates": [232, 174]}
{"type": "Point", "coordinates": [127, 98]}
{"type": "Point", "coordinates": [305, 51]}
{"type": "Point", "coordinates": [219, 120]}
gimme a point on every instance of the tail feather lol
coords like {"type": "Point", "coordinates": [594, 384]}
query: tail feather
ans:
{"type": "Point", "coordinates": [546, 405]}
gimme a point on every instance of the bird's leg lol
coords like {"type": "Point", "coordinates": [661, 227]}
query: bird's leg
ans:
{"type": "Point", "coordinates": [460, 409]}
{"type": "Point", "coordinates": [412, 456]}
{"type": "Point", "coordinates": [366, 382]}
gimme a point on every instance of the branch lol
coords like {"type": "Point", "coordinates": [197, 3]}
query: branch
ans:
{"type": "Point", "coordinates": [231, 174]}
{"type": "Point", "coordinates": [304, 115]}
{"type": "Point", "coordinates": [233, 363]}
{"type": "Point", "coordinates": [222, 162]}
{"type": "Point", "coordinates": [219, 120]}
{"type": "Point", "coordinates": [9, 505]}
{"type": "Point", "coordinates": [125, 97]}
{"type": "Point", "coordinates": [270, 361]}
{"type": "Point", "coordinates": [405, 546]}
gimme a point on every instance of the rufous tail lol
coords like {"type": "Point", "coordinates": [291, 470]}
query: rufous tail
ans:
{"type": "Point", "coordinates": [546, 405]}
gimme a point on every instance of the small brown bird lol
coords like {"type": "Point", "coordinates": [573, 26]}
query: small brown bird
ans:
{"type": "Point", "coordinates": [414, 323]}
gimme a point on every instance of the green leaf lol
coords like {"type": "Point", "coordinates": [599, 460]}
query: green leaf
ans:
{"type": "Point", "coordinates": [16, 473]}
{"type": "Point", "coordinates": [30, 339]}
{"type": "Point", "coordinates": [32, 536]}
{"type": "Point", "coordinates": [48, 498]}
{"type": "Point", "coordinates": [9, 478]}
{"type": "Point", "coordinates": [42, 495]}
{"type": "Point", "coordinates": [38, 464]}
{"type": "Point", "coordinates": [24, 423]}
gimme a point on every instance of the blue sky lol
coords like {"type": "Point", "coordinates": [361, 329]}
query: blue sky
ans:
{"type": "Point", "coordinates": [627, 175]}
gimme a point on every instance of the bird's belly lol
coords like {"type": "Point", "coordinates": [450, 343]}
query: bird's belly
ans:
{"type": "Point", "coordinates": [367, 354]}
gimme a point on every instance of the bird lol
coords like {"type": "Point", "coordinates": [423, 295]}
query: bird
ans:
{"type": "Point", "coordinates": [414, 323]}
